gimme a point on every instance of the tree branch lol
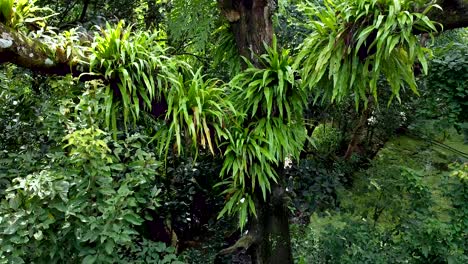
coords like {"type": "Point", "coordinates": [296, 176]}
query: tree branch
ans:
{"type": "Point", "coordinates": [34, 55]}
{"type": "Point", "coordinates": [83, 11]}
{"type": "Point", "coordinates": [243, 243]}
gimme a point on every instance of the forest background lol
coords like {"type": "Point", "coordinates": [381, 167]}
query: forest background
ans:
{"type": "Point", "coordinates": [238, 131]}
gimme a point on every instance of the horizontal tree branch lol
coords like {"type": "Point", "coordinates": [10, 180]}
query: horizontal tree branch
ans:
{"type": "Point", "coordinates": [244, 243]}
{"type": "Point", "coordinates": [32, 54]}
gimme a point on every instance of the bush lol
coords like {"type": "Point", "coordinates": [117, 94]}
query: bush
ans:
{"type": "Point", "coordinates": [69, 190]}
{"type": "Point", "coordinates": [84, 205]}
{"type": "Point", "coordinates": [393, 213]}
{"type": "Point", "coordinates": [326, 139]}
{"type": "Point", "coordinates": [313, 185]}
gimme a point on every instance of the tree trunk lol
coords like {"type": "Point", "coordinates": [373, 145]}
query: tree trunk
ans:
{"type": "Point", "coordinates": [358, 129]}
{"type": "Point", "coordinates": [271, 228]}
{"type": "Point", "coordinates": [252, 24]}
{"type": "Point", "coordinates": [84, 10]}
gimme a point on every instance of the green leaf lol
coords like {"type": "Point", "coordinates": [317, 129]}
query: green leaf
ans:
{"type": "Point", "coordinates": [133, 219]}
{"type": "Point", "coordinates": [90, 259]}
{"type": "Point", "coordinates": [38, 235]}
{"type": "Point", "coordinates": [109, 246]}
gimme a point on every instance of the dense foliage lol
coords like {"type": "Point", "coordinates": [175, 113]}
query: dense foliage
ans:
{"type": "Point", "coordinates": [405, 208]}
{"type": "Point", "coordinates": [270, 128]}
{"type": "Point", "coordinates": [160, 144]}
{"type": "Point", "coordinates": [353, 43]}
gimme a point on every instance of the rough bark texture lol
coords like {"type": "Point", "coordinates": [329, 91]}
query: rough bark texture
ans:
{"type": "Point", "coordinates": [251, 23]}
{"type": "Point", "coordinates": [268, 240]}
{"type": "Point", "coordinates": [272, 228]}
{"type": "Point", "coordinates": [357, 134]}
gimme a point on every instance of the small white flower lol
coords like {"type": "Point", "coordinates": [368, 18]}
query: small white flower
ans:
{"type": "Point", "coordinates": [48, 62]}
{"type": "Point", "coordinates": [287, 162]}
{"type": "Point", "coordinates": [15, 102]}
{"type": "Point", "coordinates": [372, 120]}
{"type": "Point", "coordinates": [242, 200]}
{"type": "Point", "coordinates": [403, 116]}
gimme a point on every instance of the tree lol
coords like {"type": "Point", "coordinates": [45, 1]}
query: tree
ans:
{"type": "Point", "coordinates": [358, 44]}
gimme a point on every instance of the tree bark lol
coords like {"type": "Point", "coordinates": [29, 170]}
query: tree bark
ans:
{"type": "Point", "coordinates": [84, 10]}
{"type": "Point", "coordinates": [271, 228]}
{"type": "Point", "coordinates": [252, 24]}
{"type": "Point", "coordinates": [356, 136]}
{"type": "Point", "coordinates": [31, 54]}
{"type": "Point", "coordinates": [358, 130]}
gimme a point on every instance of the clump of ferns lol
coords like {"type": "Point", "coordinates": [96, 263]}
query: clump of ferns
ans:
{"type": "Point", "coordinates": [357, 43]}
{"type": "Point", "coordinates": [196, 113]}
{"type": "Point", "coordinates": [269, 128]}
{"type": "Point", "coordinates": [136, 68]}
{"type": "Point", "coordinates": [24, 14]}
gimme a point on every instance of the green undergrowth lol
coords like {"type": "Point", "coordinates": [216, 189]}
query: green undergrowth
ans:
{"type": "Point", "coordinates": [406, 207]}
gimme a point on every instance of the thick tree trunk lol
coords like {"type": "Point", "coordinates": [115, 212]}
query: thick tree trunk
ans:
{"type": "Point", "coordinates": [358, 130]}
{"type": "Point", "coordinates": [251, 22]}
{"type": "Point", "coordinates": [84, 10]}
{"type": "Point", "coordinates": [271, 228]}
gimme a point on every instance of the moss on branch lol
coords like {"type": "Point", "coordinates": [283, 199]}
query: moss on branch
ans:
{"type": "Point", "coordinates": [28, 53]}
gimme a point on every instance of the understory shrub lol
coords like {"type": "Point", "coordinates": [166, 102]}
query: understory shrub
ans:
{"type": "Point", "coordinates": [394, 213]}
